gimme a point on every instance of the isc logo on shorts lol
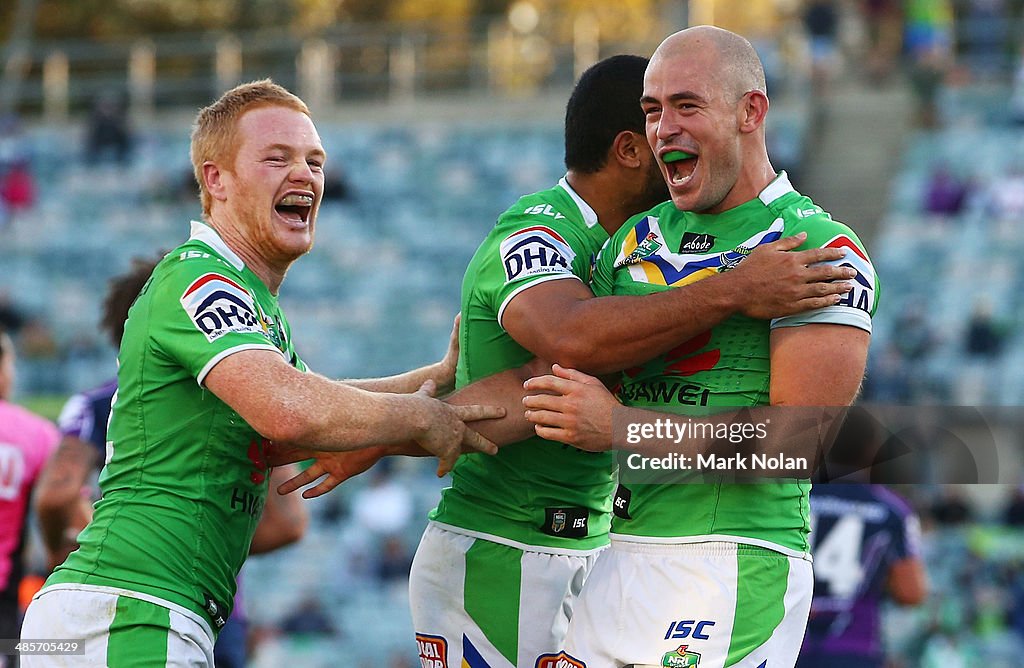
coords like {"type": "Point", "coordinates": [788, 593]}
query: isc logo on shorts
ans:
{"type": "Point", "coordinates": [535, 251]}
{"type": "Point", "coordinates": [560, 660]}
{"type": "Point", "coordinates": [433, 651]}
{"type": "Point", "coordinates": [217, 305]}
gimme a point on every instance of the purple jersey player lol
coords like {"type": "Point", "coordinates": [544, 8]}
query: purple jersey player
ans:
{"type": "Point", "coordinates": [866, 547]}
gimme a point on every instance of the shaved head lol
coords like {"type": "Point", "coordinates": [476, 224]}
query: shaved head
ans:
{"type": "Point", "coordinates": [736, 63]}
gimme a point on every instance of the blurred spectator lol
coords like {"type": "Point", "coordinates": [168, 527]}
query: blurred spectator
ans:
{"type": "Point", "coordinates": [916, 338]}
{"type": "Point", "coordinates": [108, 131]}
{"type": "Point", "coordinates": [17, 191]}
{"type": "Point", "coordinates": [928, 42]}
{"type": "Point", "coordinates": [14, 146]}
{"type": "Point", "coordinates": [1006, 194]}
{"type": "Point", "coordinates": [984, 36]}
{"type": "Point", "coordinates": [26, 441]}
{"type": "Point", "coordinates": [821, 21]}
{"type": "Point", "coordinates": [1013, 515]}
{"type": "Point", "coordinates": [950, 509]}
{"type": "Point", "coordinates": [336, 186]}
{"type": "Point", "coordinates": [308, 618]}
{"type": "Point", "coordinates": [946, 193]}
{"type": "Point", "coordinates": [11, 317]}
{"type": "Point", "coordinates": [1017, 98]}
{"type": "Point", "coordinates": [984, 336]}
{"type": "Point", "coordinates": [884, 24]}
{"type": "Point", "coordinates": [385, 506]}
{"type": "Point", "coordinates": [394, 563]}
{"type": "Point", "coordinates": [888, 378]}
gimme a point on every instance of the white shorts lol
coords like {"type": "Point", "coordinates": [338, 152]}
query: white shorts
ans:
{"type": "Point", "coordinates": [117, 628]}
{"type": "Point", "coordinates": [712, 605]}
{"type": "Point", "coordinates": [478, 603]}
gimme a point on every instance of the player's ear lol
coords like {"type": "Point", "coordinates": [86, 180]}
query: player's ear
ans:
{"type": "Point", "coordinates": [213, 179]}
{"type": "Point", "coordinates": [627, 148]}
{"type": "Point", "coordinates": [753, 107]}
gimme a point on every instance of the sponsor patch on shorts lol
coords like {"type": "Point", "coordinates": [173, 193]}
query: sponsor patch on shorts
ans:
{"type": "Point", "coordinates": [560, 660]}
{"type": "Point", "coordinates": [535, 251]}
{"type": "Point", "coordinates": [433, 651]}
{"type": "Point", "coordinates": [217, 306]}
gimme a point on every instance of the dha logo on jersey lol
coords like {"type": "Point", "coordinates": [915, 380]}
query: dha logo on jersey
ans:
{"type": "Point", "coordinates": [560, 660]}
{"type": "Point", "coordinates": [646, 248]}
{"type": "Point", "coordinates": [680, 658]}
{"type": "Point", "coordinates": [535, 251]}
{"type": "Point", "coordinates": [433, 651]}
{"type": "Point", "coordinates": [863, 294]}
{"type": "Point", "coordinates": [218, 305]}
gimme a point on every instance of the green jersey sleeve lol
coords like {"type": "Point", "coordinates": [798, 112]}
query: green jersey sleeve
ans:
{"type": "Point", "coordinates": [531, 253]}
{"type": "Point", "coordinates": [202, 313]}
{"type": "Point", "coordinates": [855, 308]}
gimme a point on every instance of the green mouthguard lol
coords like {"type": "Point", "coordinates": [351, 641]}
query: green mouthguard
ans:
{"type": "Point", "coordinates": [673, 156]}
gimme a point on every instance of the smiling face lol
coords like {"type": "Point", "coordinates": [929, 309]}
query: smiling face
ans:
{"type": "Point", "coordinates": [272, 191]}
{"type": "Point", "coordinates": [704, 105]}
{"type": "Point", "coordinates": [688, 110]}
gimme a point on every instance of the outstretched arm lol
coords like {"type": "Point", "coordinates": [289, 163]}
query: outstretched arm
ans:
{"type": "Point", "coordinates": [503, 390]}
{"type": "Point", "coordinates": [306, 410]}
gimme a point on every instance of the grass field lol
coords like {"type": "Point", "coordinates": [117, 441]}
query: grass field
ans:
{"type": "Point", "coordinates": [47, 405]}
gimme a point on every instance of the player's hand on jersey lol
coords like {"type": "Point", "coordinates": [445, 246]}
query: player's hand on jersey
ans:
{"type": "Point", "coordinates": [571, 407]}
{"type": "Point", "coordinates": [334, 468]}
{"type": "Point", "coordinates": [775, 280]}
{"type": "Point", "coordinates": [445, 374]}
{"type": "Point", "coordinates": [443, 431]}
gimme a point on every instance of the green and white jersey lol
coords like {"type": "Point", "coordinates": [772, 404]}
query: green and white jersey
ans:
{"type": "Point", "coordinates": [536, 492]}
{"type": "Point", "coordinates": [727, 366]}
{"type": "Point", "coordinates": [185, 477]}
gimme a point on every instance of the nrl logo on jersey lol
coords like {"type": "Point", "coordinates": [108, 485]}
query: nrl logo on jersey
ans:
{"type": "Point", "coordinates": [560, 660]}
{"type": "Point", "coordinates": [217, 305]}
{"type": "Point", "coordinates": [680, 658]}
{"type": "Point", "coordinates": [646, 248]}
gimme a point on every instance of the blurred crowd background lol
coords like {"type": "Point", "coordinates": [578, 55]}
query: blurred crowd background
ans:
{"type": "Point", "coordinates": [904, 118]}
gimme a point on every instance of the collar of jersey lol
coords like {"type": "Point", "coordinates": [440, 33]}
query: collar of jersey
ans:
{"type": "Point", "coordinates": [589, 215]}
{"type": "Point", "coordinates": [779, 186]}
{"type": "Point", "coordinates": [203, 232]}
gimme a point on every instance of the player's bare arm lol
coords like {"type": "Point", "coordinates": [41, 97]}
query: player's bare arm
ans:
{"type": "Point", "coordinates": [306, 410]}
{"type": "Point", "coordinates": [908, 581]}
{"type": "Point", "coordinates": [58, 499]}
{"type": "Point", "coordinates": [609, 334]}
{"type": "Point", "coordinates": [503, 390]}
{"type": "Point", "coordinates": [284, 519]}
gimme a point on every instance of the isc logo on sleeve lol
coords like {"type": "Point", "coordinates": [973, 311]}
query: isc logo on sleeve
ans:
{"type": "Point", "coordinates": [217, 305]}
{"type": "Point", "coordinates": [535, 251]}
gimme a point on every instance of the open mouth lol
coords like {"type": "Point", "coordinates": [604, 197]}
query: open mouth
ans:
{"type": "Point", "coordinates": [295, 207]}
{"type": "Point", "coordinates": [680, 166]}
